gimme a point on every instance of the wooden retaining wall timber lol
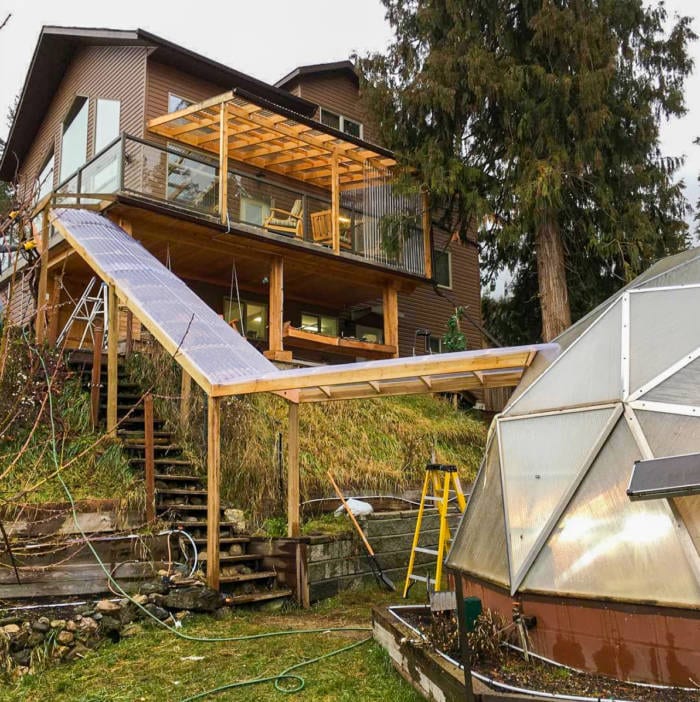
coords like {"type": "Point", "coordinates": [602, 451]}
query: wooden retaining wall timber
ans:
{"type": "Point", "coordinates": [317, 567]}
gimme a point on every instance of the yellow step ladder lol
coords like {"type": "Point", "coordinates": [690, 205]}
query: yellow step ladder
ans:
{"type": "Point", "coordinates": [444, 481]}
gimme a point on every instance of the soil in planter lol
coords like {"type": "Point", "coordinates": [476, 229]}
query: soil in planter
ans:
{"type": "Point", "coordinates": [507, 666]}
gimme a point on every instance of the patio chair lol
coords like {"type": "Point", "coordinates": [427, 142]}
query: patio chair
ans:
{"type": "Point", "coordinates": [287, 222]}
{"type": "Point", "coordinates": [322, 230]}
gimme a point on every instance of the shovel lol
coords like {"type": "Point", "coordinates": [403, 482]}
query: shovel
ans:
{"type": "Point", "coordinates": [382, 578]}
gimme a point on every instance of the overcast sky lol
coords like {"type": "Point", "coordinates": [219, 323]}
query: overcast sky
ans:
{"type": "Point", "coordinates": [267, 39]}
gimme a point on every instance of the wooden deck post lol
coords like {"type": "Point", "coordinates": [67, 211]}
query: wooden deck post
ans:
{"type": "Point", "coordinates": [43, 291]}
{"type": "Point", "coordinates": [129, 348]}
{"type": "Point", "coordinates": [427, 239]}
{"type": "Point", "coordinates": [149, 450]}
{"type": "Point", "coordinates": [275, 343]}
{"type": "Point", "coordinates": [185, 398]}
{"type": "Point", "coordinates": [390, 310]}
{"type": "Point", "coordinates": [213, 485]}
{"type": "Point", "coordinates": [112, 359]}
{"type": "Point", "coordinates": [95, 378]}
{"type": "Point", "coordinates": [54, 310]}
{"type": "Point", "coordinates": [293, 528]}
{"type": "Point", "coordinates": [223, 164]}
{"type": "Point", "coordinates": [335, 204]}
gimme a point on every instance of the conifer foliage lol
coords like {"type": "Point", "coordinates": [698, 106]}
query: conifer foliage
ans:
{"type": "Point", "coordinates": [537, 121]}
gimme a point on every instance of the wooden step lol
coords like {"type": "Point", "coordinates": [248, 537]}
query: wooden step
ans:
{"type": "Point", "coordinates": [202, 524]}
{"type": "Point", "coordinates": [181, 478]}
{"type": "Point", "coordinates": [180, 491]}
{"type": "Point", "coordinates": [254, 597]}
{"type": "Point", "coordinates": [247, 577]}
{"type": "Point", "coordinates": [136, 435]}
{"type": "Point", "coordinates": [241, 558]}
{"type": "Point", "coordinates": [202, 540]}
{"type": "Point", "coordinates": [181, 507]}
{"type": "Point", "coordinates": [175, 448]}
{"type": "Point", "coordinates": [163, 461]}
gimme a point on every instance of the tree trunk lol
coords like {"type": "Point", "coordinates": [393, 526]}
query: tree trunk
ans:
{"type": "Point", "coordinates": [551, 279]}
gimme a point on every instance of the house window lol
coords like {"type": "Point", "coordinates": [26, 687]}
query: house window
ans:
{"type": "Point", "coordinates": [254, 211]}
{"type": "Point", "coordinates": [435, 344]}
{"type": "Point", "coordinates": [74, 140]}
{"type": "Point", "coordinates": [319, 323]}
{"type": "Point", "coordinates": [176, 103]}
{"type": "Point", "coordinates": [442, 268]}
{"type": "Point", "coordinates": [44, 181]}
{"type": "Point", "coordinates": [373, 335]}
{"type": "Point", "coordinates": [341, 123]}
{"type": "Point", "coordinates": [106, 122]}
{"type": "Point", "coordinates": [249, 318]}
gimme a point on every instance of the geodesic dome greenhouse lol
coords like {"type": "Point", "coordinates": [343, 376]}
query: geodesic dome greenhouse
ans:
{"type": "Point", "coordinates": [549, 512]}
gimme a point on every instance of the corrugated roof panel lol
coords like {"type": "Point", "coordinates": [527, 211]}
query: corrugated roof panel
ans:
{"type": "Point", "coordinates": [182, 322]}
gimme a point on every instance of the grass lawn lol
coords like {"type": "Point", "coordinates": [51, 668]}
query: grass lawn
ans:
{"type": "Point", "coordinates": [154, 666]}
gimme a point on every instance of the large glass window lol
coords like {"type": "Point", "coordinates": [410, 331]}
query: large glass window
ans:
{"type": "Point", "coordinates": [74, 141]}
{"type": "Point", "coordinates": [442, 267]}
{"type": "Point", "coordinates": [248, 317]}
{"type": "Point", "coordinates": [319, 323]}
{"type": "Point", "coordinates": [44, 181]}
{"type": "Point", "coordinates": [372, 334]}
{"type": "Point", "coordinates": [253, 211]}
{"type": "Point", "coordinates": [106, 122]}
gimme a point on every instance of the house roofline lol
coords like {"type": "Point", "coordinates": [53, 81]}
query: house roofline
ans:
{"type": "Point", "coordinates": [345, 66]}
{"type": "Point", "coordinates": [56, 47]}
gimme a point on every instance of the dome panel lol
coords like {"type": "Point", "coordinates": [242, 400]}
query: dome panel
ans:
{"type": "Point", "coordinates": [604, 545]}
{"type": "Point", "coordinates": [543, 459]}
{"type": "Point", "coordinates": [479, 546]}
{"type": "Point", "coordinates": [682, 388]}
{"type": "Point", "coordinates": [663, 329]}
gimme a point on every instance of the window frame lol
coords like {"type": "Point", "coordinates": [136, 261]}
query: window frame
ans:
{"type": "Point", "coordinates": [71, 115]}
{"type": "Point", "coordinates": [243, 309]}
{"type": "Point", "coordinates": [342, 119]}
{"type": "Point", "coordinates": [448, 253]}
{"type": "Point", "coordinates": [320, 316]}
{"type": "Point", "coordinates": [95, 147]}
{"type": "Point", "coordinates": [50, 158]}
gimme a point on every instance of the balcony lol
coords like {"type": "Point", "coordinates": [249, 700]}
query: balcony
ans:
{"type": "Point", "coordinates": [285, 180]}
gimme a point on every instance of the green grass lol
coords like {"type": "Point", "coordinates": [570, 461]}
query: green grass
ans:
{"type": "Point", "coordinates": [150, 666]}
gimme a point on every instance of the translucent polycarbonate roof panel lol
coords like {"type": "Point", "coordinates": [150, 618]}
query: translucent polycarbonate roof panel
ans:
{"type": "Point", "coordinates": [479, 546]}
{"type": "Point", "coordinates": [542, 461]}
{"type": "Point", "coordinates": [682, 388]}
{"type": "Point", "coordinates": [213, 352]}
{"type": "Point", "coordinates": [589, 371]}
{"type": "Point", "coordinates": [688, 509]}
{"type": "Point", "coordinates": [665, 476]}
{"type": "Point", "coordinates": [606, 546]}
{"type": "Point", "coordinates": [681, 269]}
{"type": "Point", "coordinates": [663, 329]}
{"type": "Point", "coordinates": [669, 434]}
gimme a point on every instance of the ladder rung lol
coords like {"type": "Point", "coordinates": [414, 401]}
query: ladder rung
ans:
{"type": "Point", "coordinates": [420, 578]}
{"type": "Point", "coordinates": [429, 551]}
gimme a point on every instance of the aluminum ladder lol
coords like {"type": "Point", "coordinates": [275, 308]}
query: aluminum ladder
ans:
{"type": "Point", "coordinates": [445, 482]}
{"type": "Point", "coordinates": [91, 304]}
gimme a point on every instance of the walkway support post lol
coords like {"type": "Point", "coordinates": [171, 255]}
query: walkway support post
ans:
{"type": "Point", "coordinates": [276, 350]}
{"type": "Point", "coordinates": [185, 398]}
{"type": "Point", "coordinates": [150, 464]}
{"type": "Point", "coordinates": [223, 163]}
{"type": "Point", "coordinates": [390, 310]}
{"type": "Point", "coordinates": [43, 291]}
{"type": "Point", "coordinates": [112, 359]}
{"type": "Point", "coordinates": [293, 526]}
{"type": "Point", "coordinates": [95, 379]}
{"type": "Point", "coordinates": [213, 485]}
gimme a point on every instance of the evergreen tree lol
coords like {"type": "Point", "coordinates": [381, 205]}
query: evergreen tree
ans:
{"type": "Point", "coordinates": [541, 118]}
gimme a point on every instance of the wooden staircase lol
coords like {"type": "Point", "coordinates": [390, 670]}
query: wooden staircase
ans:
{"type": "Point", "coordinates": [181, 496]}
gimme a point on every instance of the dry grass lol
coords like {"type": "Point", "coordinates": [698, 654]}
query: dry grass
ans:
{"type": "Point", "coordinates": [372, 446]}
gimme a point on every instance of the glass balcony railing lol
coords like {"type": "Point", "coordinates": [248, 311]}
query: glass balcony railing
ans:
{"type": "Point", "coordinates": [374, 223]}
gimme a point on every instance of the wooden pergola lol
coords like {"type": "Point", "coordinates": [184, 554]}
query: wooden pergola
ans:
{"type": "Point", "coordinates": [238, 126]}
{"type": "Point", "coordinates": [223, 364]}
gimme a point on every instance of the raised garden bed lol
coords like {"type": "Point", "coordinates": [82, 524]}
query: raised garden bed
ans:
{"type": "Point", "coordinates": [405, 632]}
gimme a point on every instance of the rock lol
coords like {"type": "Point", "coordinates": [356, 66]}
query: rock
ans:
{"type": "Point", "coordinates": [19, 641]}
{"type": "Point", "coordinates": [202, 556]}
{"type": "Point", "coordinates": [196, 599]}
{"type": "Point", "coordinates": [35, 639]}
{"type": "Point", "coordinates": [235, 550]}
{"type": "Point", "coordinates": [153, 586]}
{"type": "Point", "coordinates": [181, 615]}
{"type": "Point", "coordinates": [97, 616]}
{"type": "Point", "coordinates": [140, 599]}
{"type": "Point", "coordinates": [58, 623]}
{"type": "Point", "coordinates": [88, 624]}
{"type": "Point", "coordinates": [22, 657]}
{"type": "Point", "coordinates": [109, 625]}
{"type": "Point", "coordinates": [131, 630]}
{"type": "Point", "coordinates": [73, 626]}
{"type": "Point", "coordinates": [272, 605]}
{"type": "Point", "coordinates": [11, 629]}
{"type": "Point", "coordinates": [61, 651]}
{"type": "Point", "coordinates": [65, 637]}
{"type": "Point", "coordinates": [237, 518]}
{"type": "Point", "coordinates": [157, 612]}
{"type": "Point", "coordinates": [10, 620]}
{"type": "Point", "coordinates": [78, 651]}
{"type": "Point", "coordinates": [107, 607]}
{"type": "Point", "coordinates": [42, 625]}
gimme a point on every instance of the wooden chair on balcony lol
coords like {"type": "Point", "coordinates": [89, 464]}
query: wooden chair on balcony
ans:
{"type": "Point", "coordinates": [322, 230]}
{"type": "Point", "coordinates": [287, 222]}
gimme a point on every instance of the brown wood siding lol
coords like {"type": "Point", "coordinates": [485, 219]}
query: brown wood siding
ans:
{"type": "Point", "coordinates": [425, 308]}
{"type": "Point", "coordinates": [20, 307]}
{"type": "Point", "coordinates": [114, 73]}
{"type": "Point", "coordinates": [338, 94]}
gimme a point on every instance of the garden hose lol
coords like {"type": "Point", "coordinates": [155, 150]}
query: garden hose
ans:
{"type": "Point", "coordinates": [286, 674]}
